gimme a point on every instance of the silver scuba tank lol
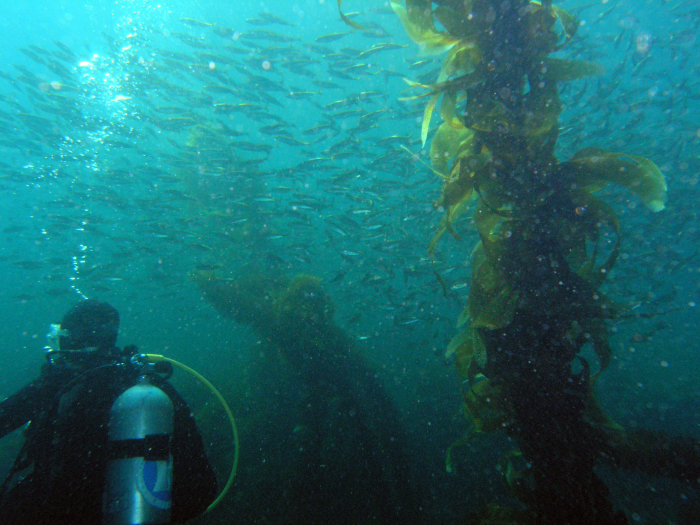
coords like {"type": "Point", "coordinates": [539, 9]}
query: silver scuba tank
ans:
{"type": "Point", "coordinates": [138, 483]}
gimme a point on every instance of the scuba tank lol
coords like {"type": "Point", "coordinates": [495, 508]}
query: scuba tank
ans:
{"type": "Point", "coordinates": [138, 483]}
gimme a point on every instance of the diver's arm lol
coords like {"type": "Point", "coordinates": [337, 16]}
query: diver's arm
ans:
{"type": "Point", "coordinates": [21, 406]}
{"type": "Point", "coordinates": [25, 405]}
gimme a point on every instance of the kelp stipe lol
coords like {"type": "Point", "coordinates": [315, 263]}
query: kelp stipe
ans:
{"type": "Point", "coordinates": [544, 252]}
{"type": "Point", "coordinates": [351, 461]}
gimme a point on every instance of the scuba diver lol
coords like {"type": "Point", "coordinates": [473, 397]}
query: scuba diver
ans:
{"type": "Point", "coordinates": [109, 440]}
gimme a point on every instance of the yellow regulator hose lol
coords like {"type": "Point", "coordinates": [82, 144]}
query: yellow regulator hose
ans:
{"type": "Point", "coordinates": [154, 358]}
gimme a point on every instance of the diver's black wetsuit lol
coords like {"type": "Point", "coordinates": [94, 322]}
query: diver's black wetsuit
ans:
{"type": "Point", "coordinates": [58, 478]}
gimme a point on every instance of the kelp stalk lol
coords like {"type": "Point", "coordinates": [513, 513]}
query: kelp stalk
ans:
{"type": "Point", "coordinates": [547, 243]}
{"type": "Point", "coordinates": [351, 464]}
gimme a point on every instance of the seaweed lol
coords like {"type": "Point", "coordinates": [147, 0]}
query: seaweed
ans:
{"type": "Point", "coordinates": [351, 464]}
{"type": "Point", "coordinates": [535, 299]}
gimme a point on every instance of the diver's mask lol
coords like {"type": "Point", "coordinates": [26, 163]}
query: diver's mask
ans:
{"type": "Point", "coordinates": [53, 338]}
{"type": "Point", "coordinates": [54, 353]}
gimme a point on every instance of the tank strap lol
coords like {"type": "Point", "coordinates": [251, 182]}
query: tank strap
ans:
{"type": "Point", "coordinates": [154, 447]}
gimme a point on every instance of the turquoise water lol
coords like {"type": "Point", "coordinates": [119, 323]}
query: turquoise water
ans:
{"type": "Point", "coordinates": [141, 142]}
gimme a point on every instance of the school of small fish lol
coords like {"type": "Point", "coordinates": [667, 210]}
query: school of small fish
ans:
{"type": "Point", "coordinates": [161, 151]}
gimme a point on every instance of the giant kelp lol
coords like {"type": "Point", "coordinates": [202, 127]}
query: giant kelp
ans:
{"type": "Point", "coordinates": [350, 463]}
{"type": "Point", "coordinates": [546, 244]}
